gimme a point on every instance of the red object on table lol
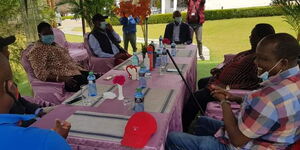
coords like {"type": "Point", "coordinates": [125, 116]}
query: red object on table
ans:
{"type": "Point", "coordinates": [119, 80]}
{"type": "Point", "coordinates": [150, 52]}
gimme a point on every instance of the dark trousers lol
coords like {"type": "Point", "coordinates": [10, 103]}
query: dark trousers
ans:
{"type": "Point", "coordinates": [81, 80]}
{"type": "Point", "coordinates": [191, 108]}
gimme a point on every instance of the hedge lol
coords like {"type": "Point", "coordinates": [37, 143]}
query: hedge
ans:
{"type": "Point", "coordinates": [211, 14]}
{"type": "Point", "coordinates": [216, 14]}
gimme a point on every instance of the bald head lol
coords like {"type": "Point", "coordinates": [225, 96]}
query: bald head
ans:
{"type": "Point", "coordinates": [5, 70]}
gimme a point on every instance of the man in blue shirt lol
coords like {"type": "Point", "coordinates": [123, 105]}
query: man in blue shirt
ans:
{"type": "Point", "coordinates": [12, 136]}
{"type": "Point", "coordinates": [129, 31]}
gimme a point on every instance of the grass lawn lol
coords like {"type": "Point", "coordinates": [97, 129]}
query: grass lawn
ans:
{"type": "Point", "coordinates": [220, 36]}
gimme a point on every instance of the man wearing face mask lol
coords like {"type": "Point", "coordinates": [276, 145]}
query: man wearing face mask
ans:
{"type": "Point", "coordinates": [12, 136]}
{"type": "Point", "coordinates": [53, 63]}
{"type": "Point", "coordinates": [269, 117]}
{"type": "Point", "coordinates": [104, 41]}
{"type": "Point", "coordinates": [129, 31]}
{"type": "Point", "coordinates": [178, 31]}
{"type": "Point", "coordinates": [22, 106]}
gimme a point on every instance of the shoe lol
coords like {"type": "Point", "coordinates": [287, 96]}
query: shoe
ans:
{"type": "Point", "coordinates": [201, 57]}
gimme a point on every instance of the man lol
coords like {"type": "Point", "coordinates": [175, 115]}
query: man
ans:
{"type": "Point", "coordinates": [196, 18]}
{"type": "Point", "coordinates": [239, 73]}
{"type": "Point", "coordinates": [53, 63]}
{"type": "Point", "coordinates": [178, 31]}
{"type": "Point", "coordinates": [12, 136]}
{"type": "Point", "coordinates": [129, 31]}
{"type": "Point", "coordinates": [269, 117]}
{"type": "Point", "coordinates": [104, 41]}
{"type": "Point", "coordinates": [22, 106]}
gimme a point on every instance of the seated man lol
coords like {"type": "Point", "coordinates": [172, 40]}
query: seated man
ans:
{"type": "Point", "coordinates": [14, 137]}
{"type": "Point", "coordinates": [269, 117]}
{"type": "Point", "coordinates": [22, 106]}
{"type": "Point", "coordinates": [104, 41]}
{"type": "Point", "coordinates": [238, 73]}
{"type": "Point", "coordinates": [53, 63]}
{"type": "Point", "coordinates": [178, 31]}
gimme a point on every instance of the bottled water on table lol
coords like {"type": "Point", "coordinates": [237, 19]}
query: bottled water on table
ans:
{"type": "Point", "coordinates": [173, 49]}
{"type": "Point", "coordinates": [92, 89]}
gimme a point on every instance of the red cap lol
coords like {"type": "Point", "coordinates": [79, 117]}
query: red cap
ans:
{"type": "Point", "coordinates": [139, 129]}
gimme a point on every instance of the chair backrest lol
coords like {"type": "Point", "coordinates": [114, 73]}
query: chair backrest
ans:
{"type": "Point", "coordinates": [87, 45]}
{"type": "Point", "coordinates": [26, 64]}
{"type": "Point", "coordinates": [60, 38]}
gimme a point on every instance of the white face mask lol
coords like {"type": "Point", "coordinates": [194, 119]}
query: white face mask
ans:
{"type": "Point", "coordinates": [178, 19]}
{"type": "Point", "coordinates": [103, 25]}
{"type": "Point", "coordinates": [265, 76]}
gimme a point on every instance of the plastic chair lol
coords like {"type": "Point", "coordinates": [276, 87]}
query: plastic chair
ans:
{"type": "Point", "coordinates": [52, 92]}
{"type": "Point", "coordinates": [97, 64]}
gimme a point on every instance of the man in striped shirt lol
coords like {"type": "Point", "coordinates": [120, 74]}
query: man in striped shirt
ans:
{"type": "Point", "coordinates": [269, 117]}
{"type": "Point", "coordinates": [239, 73]}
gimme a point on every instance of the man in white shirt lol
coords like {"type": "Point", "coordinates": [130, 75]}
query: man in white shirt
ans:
{"type": "Point", "coordinates": [103, 40]}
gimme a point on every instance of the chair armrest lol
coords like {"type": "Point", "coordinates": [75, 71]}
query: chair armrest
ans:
{"type": "Point", "coordinates": [74, 45]}
{"type": "Point", "coordinates": [48, 87]}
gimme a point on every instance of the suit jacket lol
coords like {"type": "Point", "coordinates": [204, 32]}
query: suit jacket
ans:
{"type": "Point", "coordinates": [184, 33]}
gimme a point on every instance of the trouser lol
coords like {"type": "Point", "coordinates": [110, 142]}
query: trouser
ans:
{"type": "Point", "coordinates": [191, 108]}
{"type": "Point", "coordinates": [129, 37]}
{"type": "Point", "coordinates": [202, 140]}
{"type": "Point", "coordinates": [198, 31]}
{"type": "Point", "coordinates": [80, 80]}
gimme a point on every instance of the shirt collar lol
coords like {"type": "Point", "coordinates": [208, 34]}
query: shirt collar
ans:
{"type": "Point", "coordinates": [281, 76]}
{"type": "Point", "coordinates": [14, 118]}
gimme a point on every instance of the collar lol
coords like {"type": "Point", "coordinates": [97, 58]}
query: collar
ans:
{"type": "Point", "coordinates": [14, 118]}
{"type": "Point", "coordinates": [281, 76]}
{"type": "Point", "coordinates": [178, 24]}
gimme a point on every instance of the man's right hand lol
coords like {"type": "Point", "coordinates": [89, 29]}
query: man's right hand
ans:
{"type": "Point", "coordinates": [62, 128]}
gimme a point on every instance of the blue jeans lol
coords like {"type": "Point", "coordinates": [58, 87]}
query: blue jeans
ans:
{"type": "Point", "coordinates": [202, 140]}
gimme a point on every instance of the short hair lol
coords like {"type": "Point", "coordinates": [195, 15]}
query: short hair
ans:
{"type": "Point", "coordinates": [285, 45]}
{"type": "Point", "coordinates": [176, 12]}
{"type": "Point", "coordinates": [42, 26]}
{"type": "Point", "coordinates": [262, 29]}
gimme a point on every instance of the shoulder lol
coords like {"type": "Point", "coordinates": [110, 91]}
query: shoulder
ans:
{"type": "Point", "coordinates": [170, 24]}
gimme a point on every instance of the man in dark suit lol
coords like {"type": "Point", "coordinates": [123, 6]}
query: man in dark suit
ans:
{"type": "Point", "coordinates": [178, 31]}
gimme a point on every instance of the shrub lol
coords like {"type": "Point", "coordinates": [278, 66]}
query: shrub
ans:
{"type": "Point", "coordinates": [67, 17]}
{"type": "Point", "coordinates": [215, 14]}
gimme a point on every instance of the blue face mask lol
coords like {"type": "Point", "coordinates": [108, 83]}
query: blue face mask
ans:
{"type": "Point", "coordinates": [47, 39]}
{"type": "Point", "coordinates": [265, 76]}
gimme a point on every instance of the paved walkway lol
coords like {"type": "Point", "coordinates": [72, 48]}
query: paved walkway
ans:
{"type": "Point", "coordinates": [68, 26]}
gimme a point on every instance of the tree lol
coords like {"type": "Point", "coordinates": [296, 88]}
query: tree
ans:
{"type": "Point", "coordinates": [291, 10]}
{"type": "Point", "coordinates": [90, 8]}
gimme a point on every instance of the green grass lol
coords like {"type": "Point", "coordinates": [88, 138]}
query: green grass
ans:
{"type": "Point", "coordinates": [229, 36]}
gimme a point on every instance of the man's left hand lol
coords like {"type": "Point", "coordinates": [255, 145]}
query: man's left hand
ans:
{"type": "Point", "coordinates": [220, 93]}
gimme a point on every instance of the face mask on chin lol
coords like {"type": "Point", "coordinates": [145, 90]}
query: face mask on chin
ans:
{"type": "Point", "coordinates": [47, 39]}
{"type": "Point", "coordinates": [265, 76]}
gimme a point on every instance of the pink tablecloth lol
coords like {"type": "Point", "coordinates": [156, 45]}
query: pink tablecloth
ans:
{"type": "Point", "coordinates": [167, 121]}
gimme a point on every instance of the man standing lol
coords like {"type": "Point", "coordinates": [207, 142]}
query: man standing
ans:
{"type": "Point", "coordinates": [129, 31]}
{"type": "Point", "coordinates": [178, 31]}
{"type": "Point", "coordinates": [195, 18]}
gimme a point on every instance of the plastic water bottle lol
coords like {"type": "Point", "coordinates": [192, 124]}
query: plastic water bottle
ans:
{"type": "Point", "coordinates": [158, 57]}
{"type": "Point", "coordinates": [173, 49]}
{"type": "Point", "coordinates": [135, 59]}
{"type": "Point", "coordinates": [160, 42]}
{"type": "Point", "coordinates": [138, 101]}
{"type": "Point", "coordinates": [92, 89]}
{"type": "Point", "coordinates": [142, 78]}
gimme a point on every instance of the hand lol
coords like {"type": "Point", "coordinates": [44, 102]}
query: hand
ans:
{"type": "Point", "coordinates": [62, 128]}
{"type": "Point", "coordinates": [109, 27]}
{"type": "Point", "coordinates": [220, 93]}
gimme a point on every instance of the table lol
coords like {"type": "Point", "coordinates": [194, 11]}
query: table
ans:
{"type": "Point", "coordinates": [167, 114]}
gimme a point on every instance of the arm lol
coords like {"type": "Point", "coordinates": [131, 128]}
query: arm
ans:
{"type": "Point", "coordinates": [188, 35]}
{"type": "Point", "coordinates": [167, 32]}
{"type": "Point", "coordinates": [95, 46]}
{"type": "Point", "coordinates": [55, 141]}
{"type": "Point", "coordinates": [30, 108]}
{"type": "Point", "coordinates": [124, 21]}
{"type": "Point", "coordinates": [117, 36]}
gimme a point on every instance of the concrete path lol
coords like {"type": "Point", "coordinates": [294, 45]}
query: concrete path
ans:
{"type": "Point", "coordinates": [68, 25]}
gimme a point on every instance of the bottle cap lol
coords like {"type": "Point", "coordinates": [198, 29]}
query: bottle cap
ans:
{"type": "Point", "coordinates": [91, 73]}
